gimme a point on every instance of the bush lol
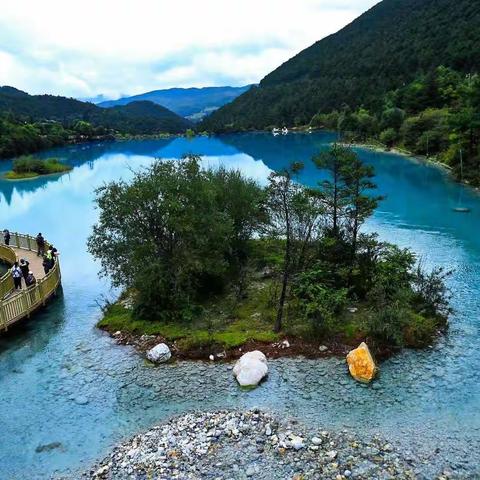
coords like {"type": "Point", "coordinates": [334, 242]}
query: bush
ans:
{"type": "Point", "coordinates": [176, 234]}
{"type": "Point", "coordinates": [388, 137]}
{"type": "Point", "coordinates": [317, 303]}
{"type": "Point", "coordinates": [27, 164]}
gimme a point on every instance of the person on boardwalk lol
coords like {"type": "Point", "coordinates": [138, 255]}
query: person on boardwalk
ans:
{"type": "Point", "coordinates": [17, 276]}
{"type": "Point", "coordinates": [46, 263]}
{"type": "Point", "coordinates": [25, 268]}
{"type": "Point", "coordinates": [6, 237]}
{"type": "Point", "coordinates": [40, 245]}
{"type": "Point", "coordinates": [30, 280]}
{"type": "Point", "coordinates": [52, 254]}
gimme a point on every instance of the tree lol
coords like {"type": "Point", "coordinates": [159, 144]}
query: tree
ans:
{"type": "Point", "coordinates": [358, 181]}
{"type": "Point", "coordinates": [388, 137]}
{"type": "Point", "coordinates": [169, 236]}
{"type": "Point", "coordinates": [334, 192]}
{"type": "Point", "coordinates": [294, 214]}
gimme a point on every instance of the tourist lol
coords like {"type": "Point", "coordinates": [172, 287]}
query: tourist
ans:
{"type": "Point", "coordinates": [6, 237]}
{"type": "Point", "coordinates": [30, 280]}
{"type": "Point", "coordinates": [40, 245]}
{"type": "Point", "coordinates": [17, 276]}
{"type": "Point", "coordinates": [24, 267]}
{"type": "Point", "coordinates": [52, 254]}
{"type": "Point", "coordinates": [47, 262]}
{"type": "Point", "coordinates": [50, 257]}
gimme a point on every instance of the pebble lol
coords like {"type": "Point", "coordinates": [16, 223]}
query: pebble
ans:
{"type": "Point", "coordinates": [233, 444]}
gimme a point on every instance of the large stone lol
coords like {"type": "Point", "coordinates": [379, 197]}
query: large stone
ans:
{"type": "Point", "coordinates": [159, 353]}
{"type": "Point", "coordinates": [361, 364]}
{"type": "Point", "coordinates": [251, 368]}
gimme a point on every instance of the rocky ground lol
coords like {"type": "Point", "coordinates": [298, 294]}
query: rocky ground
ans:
{"type": "Point", "coordinates": [251, 444]}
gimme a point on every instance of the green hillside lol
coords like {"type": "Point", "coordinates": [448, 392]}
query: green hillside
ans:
{"type": "Point", "coordinates": [135, 118]}
{"type": "Point", "coordinates": [385, 48]}
{"type": "Point", "coordinates": [29, 123]}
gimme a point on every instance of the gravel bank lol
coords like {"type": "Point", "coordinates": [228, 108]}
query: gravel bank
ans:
{"type": "Point", "coordinates": [251, 444]}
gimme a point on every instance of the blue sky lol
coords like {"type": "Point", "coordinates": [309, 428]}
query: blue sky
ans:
{"type": "Point", "coordinates": [124, 47]}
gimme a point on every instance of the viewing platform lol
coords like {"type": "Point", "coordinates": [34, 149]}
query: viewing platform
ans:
{"type": "Point", "coordinates": [15, 305]}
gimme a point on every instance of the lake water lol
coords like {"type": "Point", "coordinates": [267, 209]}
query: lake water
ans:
{"type": "Point", "coordinates": [61, 380]}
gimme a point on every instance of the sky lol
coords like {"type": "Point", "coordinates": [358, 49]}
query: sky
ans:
{"type": "Point", "coordinates": [124, 47]}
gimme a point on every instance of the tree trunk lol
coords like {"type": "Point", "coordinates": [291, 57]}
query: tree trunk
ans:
{"type": "Point", "coordinates": [281, 304]}
{"type": "Point", "coordinates": [286, 269]}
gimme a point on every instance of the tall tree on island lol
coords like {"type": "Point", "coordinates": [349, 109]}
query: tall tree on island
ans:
{"type": "Point", "coordinates": [333, 190]}
{"type": "Point", "coordinates": [295, 217]}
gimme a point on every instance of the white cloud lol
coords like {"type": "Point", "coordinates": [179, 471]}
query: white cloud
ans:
{"type": "Point", "coordinates": [130, 46]}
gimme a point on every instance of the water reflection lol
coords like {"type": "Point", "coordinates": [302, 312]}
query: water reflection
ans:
{"type": "Point", "coordinates": [61, 380]}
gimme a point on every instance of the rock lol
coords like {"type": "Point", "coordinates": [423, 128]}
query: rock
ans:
{"type": "Point", "coordinates": [159, 353]}
{"type": "Point", "coordinates": [211, 357]}
{"type": "Point", "coordinates": [361, 365]}
{"type": "Point", "coordinates": [232, 444]}
{"type": "Point", "coordinates": [316, 441]}
{"type": "Point", "coordinates": [81, 400]}
{"type": "Point", "coordinates": [250, 472]}
{"type": "Point", "coordinates": [101, 471]}
{"type": "Point", "coordinates": [322, 348]}
{"type": "Point", "coordinates": [297, 442]}
{"type": "Point", "coordinates": [332, 454]}
{"type": "Point", "coordinates": [285, 344]}
{"type": "Point", "coordinates": [251, 368]}
{"type": "Point", "coordinates": [353, 309]}
{"type": "Point", "coordinates": [48, 447]}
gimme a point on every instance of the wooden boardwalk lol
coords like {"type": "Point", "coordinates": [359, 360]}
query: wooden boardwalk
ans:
{"type": "Point", "coordinates": [16, 305]}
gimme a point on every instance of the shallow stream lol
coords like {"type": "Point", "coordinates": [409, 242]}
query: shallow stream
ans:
{"type": "Point", "coordinates": [65, 384]}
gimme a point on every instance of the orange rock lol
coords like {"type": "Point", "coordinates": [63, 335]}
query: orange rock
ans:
{"type": "Point", "coordinates": [361, 364]}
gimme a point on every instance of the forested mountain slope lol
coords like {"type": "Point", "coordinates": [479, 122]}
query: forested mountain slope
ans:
{"type": "Point", "coordinates": [388, 46]}
{"type": "Point", "coordinates": [135, 118]}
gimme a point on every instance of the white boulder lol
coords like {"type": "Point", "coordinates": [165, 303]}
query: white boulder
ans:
{"type": "Point", "coordinates": [251, 368]}
{"type": "Point", "coordinates": [159, 353]}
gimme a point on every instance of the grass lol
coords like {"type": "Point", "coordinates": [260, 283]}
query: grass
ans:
{"type": "Point", "coordinates": [11, 175]}
{"type": "Point", "coordinates": [225, 323]}
{"type": "Point", "coordinates": [27, 167]}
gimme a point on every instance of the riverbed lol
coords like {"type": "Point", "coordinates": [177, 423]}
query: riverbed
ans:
{"type": "Point", "coordinates": [65, 384]}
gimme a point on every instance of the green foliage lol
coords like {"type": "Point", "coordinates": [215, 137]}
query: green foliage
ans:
{"type": "Point", "coordinates": [436, 115]}
{"type": "Point", "coordinates": [215, 260]}
{"type": "Point", "coordinates": [388, 137]}
{"type": "Point", "coordinates": [30, 165]}
{"type": "Point", "coordinates": [171, 235]}
{"type": "Point", "coordinates": [317, 303]}
{"type": "Point", "coordinates": [29, 123]}
{"type": "Point", "coordinates": [389, 46]}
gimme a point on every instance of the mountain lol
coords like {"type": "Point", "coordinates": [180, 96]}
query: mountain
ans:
{"type": "Point", "coordinates": [193, 103]}
{"type": "Point", "coordinates": [388, 46]}
{"type": "Point", "coordinates": [136, 118]}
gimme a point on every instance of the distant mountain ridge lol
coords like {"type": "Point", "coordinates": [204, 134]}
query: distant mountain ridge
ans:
{"type": "Point", "coordinates": [192, 103]}
{"type": "Point", "coordinates": [386, 47]}
{"type": "Point", "coordinates": [141, 117]}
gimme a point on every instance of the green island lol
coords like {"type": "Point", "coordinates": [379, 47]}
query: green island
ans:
{"type": "Point", "coordinates": [209, 261]}
{"type": "Point", "coordinates": [28, 167]}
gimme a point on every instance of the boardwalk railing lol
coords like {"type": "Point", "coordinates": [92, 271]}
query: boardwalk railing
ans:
{"type": "Point", "coordinates": [25, 302]}
{"type": "Point", "coordinates": [6, 282]}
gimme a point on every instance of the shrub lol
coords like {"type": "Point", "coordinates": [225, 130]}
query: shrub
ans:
{"type": "Point", "coordinates": [317, 303]}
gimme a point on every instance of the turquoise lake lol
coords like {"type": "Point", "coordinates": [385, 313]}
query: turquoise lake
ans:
{"type": "Point", "coordinates": [62, 380]}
